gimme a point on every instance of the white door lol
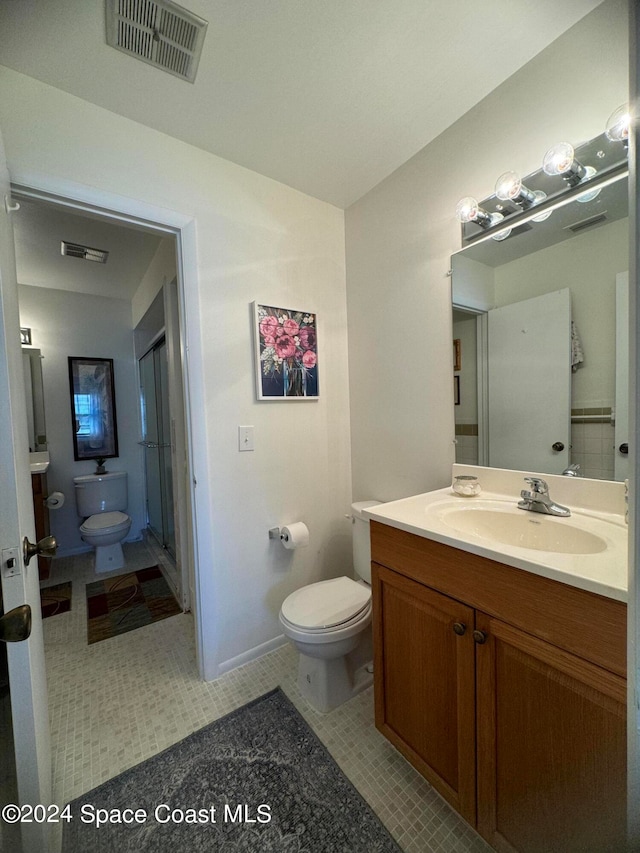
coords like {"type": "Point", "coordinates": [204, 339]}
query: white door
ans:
{"type": "Point", "coordinates": [621, 450]}
{"type": "Point", "coordinates": [20, 583]}
{"type": "Point", "coordinates": [529, 379]}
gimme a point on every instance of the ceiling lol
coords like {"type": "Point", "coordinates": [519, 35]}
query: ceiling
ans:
{"type": "Point", "coordinates": [39, 229]}
{"type": "Point", "coordinates": [328, 97]}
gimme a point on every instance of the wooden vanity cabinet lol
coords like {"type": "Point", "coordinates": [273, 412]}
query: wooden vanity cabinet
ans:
{"type": "Point", "coordinates": [41, 518]}
{"type": "Point", "coordinates": [506, 690]}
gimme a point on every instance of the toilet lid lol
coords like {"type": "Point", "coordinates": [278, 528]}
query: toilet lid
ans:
{"type": "Point", "coordinates": [104, 519]}
{"type": "Point", "coordinates": [326, 604]}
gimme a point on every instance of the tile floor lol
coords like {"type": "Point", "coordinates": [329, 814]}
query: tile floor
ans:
{"type": "Point", "coordinates": [117, 702]}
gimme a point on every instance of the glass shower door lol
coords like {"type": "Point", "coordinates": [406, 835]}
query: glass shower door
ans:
{"type": "Point", "coordinates": [156, 440]}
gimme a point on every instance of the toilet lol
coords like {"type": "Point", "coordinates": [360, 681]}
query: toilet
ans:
{"type": "Point", "coordinates": [329, 622]}
{"type": "Point", "coordinates": [101, 500]}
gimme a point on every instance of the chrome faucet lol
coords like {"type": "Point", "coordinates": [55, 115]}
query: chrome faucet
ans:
{"type": "Point", "coordinates": [572, 471]}
{"type": "Point", "coordinates": [538, 500]}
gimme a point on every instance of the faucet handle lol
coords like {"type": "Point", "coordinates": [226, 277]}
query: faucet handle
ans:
{"type": "Point", "coordinates": [538, 486]}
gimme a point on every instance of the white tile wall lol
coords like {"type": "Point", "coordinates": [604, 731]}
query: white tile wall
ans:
{"type": "Point", "coordinates": [593, 448]}
{"type": "Point", "coordinates": [467, 449]}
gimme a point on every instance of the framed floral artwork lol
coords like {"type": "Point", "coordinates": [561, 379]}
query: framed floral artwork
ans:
{"type": "Point", "coordinates": [286, 353]}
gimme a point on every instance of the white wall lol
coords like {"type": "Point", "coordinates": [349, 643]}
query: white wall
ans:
{"type": "Point", "coordinates": [161, 271]}
{"type": "Point", "coordinates": [255, 239]}
{"type": "Point", "coordinates": [67, 324]}
{"type": "Point", "coordinates": [401, 235]}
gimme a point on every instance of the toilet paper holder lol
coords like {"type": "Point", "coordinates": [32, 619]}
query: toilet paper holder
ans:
{"type": "Point", "coordinates": [293, 536]}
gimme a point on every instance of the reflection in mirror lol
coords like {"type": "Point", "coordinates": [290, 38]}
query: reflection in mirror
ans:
{"type": "Point", "coordinates": [541, 318]}
{"type": "Point", "coordinates": [34, 393]}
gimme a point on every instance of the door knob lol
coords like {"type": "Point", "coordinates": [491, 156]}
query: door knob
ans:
{"type": "Point", "coordinates": [45, 548]}
{"type": "Point", "coordinates": [557, 446]}
{"type": "Point", "coordinates": [15, 625]}
{"type": "Point", "coordinates": [459, 628]}
{"type": "Point", "coordinates": [624, 448]}
{"type": "Point", "coordinates": [480, 637]}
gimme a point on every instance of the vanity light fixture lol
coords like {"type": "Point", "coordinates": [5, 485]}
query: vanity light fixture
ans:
{"type": "Point", "coordinates": [468, 210]}
{"type": "Point", "coordinates": [561, 160]}
{"type": "Point", "coordinates": [509, 187]}
{"type": "Point", "coordinates": [618, 125]}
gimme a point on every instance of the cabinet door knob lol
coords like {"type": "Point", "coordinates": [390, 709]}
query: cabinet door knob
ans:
{"type": "Point", "coordinates": [480, 637]}
{"type": "Point", "coordinates": [459, 628]}
{"type": "Point", "coordinates": [557, 446]}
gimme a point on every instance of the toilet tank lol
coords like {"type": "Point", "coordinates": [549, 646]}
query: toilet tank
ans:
{"type": "Point", "coordinates": [361, 542]}
{"type": "Point", "coordinates": [97, 493]}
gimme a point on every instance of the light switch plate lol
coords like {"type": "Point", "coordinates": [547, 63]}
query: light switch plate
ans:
{"type": "Point", "coordinates": [245, 438]}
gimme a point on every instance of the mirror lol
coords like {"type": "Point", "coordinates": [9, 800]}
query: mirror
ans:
{"type": "Point", "coordinates": [34, 393]}
{"type": "Point", "coordinates": [517, 384]}
{"type": "Point", "coordinates": [93, 408]}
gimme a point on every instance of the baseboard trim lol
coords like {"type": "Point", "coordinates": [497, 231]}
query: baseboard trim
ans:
{"type": "Point", "coordinates": [252, 654]}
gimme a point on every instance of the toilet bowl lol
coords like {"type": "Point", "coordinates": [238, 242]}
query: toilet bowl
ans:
{"type": "Point", "coordinates": [329, 623]}
{"type": "Point", "coordinates": [105, 532]}
{"type": "Point", "coordinates": [101, 500]}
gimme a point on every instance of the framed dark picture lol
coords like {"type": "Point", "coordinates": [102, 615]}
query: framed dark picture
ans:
{"type": "Point", "coordinates": [93, 408]}
{"type": "Point", "coordinates": [456, 390]}
{"type": "Point", "coordinates": [457, 354]}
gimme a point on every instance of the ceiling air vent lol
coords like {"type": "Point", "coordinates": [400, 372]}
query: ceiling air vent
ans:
{"type": "Point", "coordinates": [86, 253]}
{"type": "Point", "coordinates": [158, 32]}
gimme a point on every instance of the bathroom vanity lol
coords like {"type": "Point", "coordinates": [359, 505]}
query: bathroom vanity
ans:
{"type": "Point", "coordinates": [501, 678]}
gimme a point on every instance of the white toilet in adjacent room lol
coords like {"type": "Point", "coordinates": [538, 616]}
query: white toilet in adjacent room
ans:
{"type": "Point", "coordinates": [101, 500]}
{"type": "Point", "coordinates": [329, 623]}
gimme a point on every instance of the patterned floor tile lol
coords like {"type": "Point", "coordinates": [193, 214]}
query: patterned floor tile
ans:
{"type": "Point", "coordinates": [117, 702]}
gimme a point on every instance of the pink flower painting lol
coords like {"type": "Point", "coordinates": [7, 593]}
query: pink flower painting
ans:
{"type": "Point", "coordinates": [287, 353]}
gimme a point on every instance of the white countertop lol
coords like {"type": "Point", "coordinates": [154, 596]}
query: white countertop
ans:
{"type": "Point", "coordinates": [603, 572]}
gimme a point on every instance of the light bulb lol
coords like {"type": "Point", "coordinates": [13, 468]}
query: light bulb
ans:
{"type": "Point", "coordinates": [560, 160]}
{"type": "Point", "coordinates": [509, 187]}
{"type": "Point", "coordinates": [468, 210]}
{"type": "Point", "coordinates": [589, 195]}
{"type": "Point", "coordinates": [619, 124]}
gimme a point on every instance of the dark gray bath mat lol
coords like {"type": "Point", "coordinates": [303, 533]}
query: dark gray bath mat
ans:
{"type": "Point", "coordinates": [256, 781]}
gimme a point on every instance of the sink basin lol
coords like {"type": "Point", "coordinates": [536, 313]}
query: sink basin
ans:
{"type": "Point", "coordinates": [522, 529]}
{"type": "Point", "coordinates": [39, 462]}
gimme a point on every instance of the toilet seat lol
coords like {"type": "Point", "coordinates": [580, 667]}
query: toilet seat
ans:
{"type": "Point", "coordinates": [105, 521]}
{"type": "Point", "coordinates": [327, 606]}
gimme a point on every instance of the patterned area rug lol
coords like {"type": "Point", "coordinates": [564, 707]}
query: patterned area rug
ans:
{"type": "Point", "coordinates": [120, 604]}
{"type": "Point", "coordinates": [55, 599]}
{"type": "Point", "coordinates": [255, 781]}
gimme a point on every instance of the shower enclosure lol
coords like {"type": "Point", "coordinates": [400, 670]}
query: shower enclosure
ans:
{"type": "Point", "coordinates": [156, 440]}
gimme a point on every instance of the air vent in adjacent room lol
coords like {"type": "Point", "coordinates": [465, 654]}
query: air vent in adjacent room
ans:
{"type": "Point", "coordinates": [158, 32]}
{"type": "Point", "coordinates": [598, 219]}
{"type": "Point", "coordinates": [85, 253]}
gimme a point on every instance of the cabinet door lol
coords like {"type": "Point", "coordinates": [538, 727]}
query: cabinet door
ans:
{"type": "Point", "coordinates": [551, 747]}
{"type": "Point", "coordinates": [424, 683]}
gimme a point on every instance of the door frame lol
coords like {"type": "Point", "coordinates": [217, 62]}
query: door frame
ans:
{"type": "Point", "coordinates": [162, 221]}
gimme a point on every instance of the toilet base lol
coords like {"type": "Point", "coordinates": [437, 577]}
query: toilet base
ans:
{"type": "Point", "coordinates": [326, 684]}
{"type": "Point", "coordinates": [109, 557]}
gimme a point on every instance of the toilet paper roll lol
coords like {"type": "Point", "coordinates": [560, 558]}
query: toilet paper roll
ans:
{"type": "Point", "coordinates": [55, 500]}
{"type": "Point", "coordinates": [296, 535]}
